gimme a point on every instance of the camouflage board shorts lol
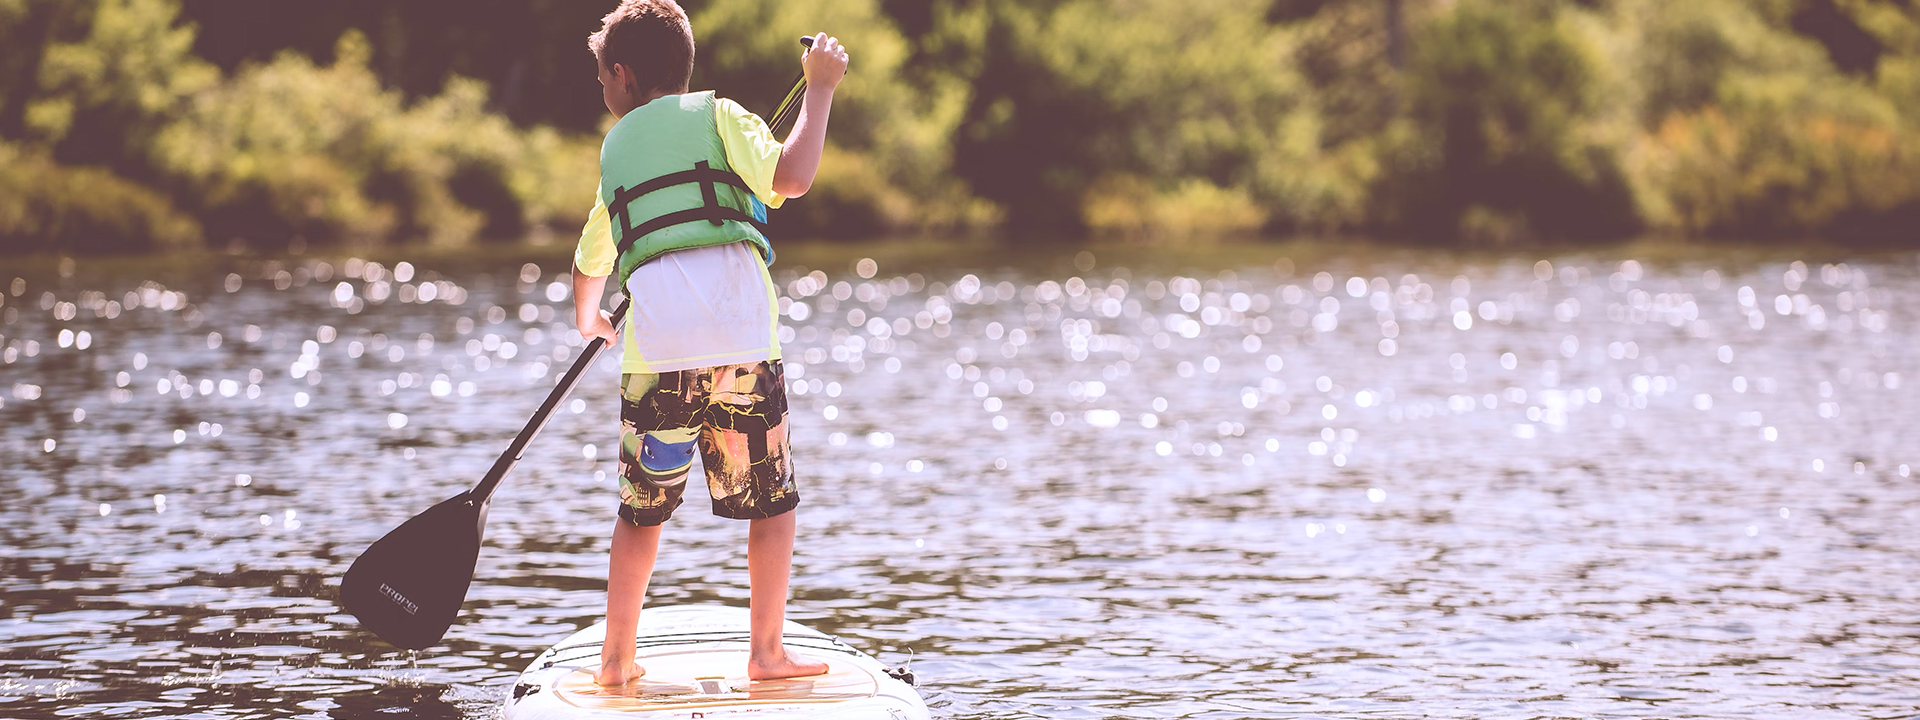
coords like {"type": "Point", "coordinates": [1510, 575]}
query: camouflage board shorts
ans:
{"type": "Point", "coordinates": [736, 414]}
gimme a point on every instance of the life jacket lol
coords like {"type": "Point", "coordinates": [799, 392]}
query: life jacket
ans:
{"type": "Point", "coordinates": [667, 185]}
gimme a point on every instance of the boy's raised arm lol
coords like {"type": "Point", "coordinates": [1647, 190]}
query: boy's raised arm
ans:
{"type": "Point", "coordinates": [825, 64]}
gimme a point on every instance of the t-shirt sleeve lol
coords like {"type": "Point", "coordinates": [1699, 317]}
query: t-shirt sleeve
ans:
{"type": "Point", "coordinates": [751, 149]}
{"type": "Point", "coordinates": [596, 253]}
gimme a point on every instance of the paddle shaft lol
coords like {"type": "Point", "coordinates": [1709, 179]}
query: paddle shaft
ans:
{"type": "Point", "coordinates": [790, 105]}
{"type": "Point", "coordinates": [484, 491]}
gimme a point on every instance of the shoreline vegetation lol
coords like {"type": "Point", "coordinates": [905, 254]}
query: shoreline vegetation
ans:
{"type": "Point", "coordinates": [215, 125]}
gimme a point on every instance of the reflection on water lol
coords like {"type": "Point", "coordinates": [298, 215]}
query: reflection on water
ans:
{"type": "Point", "coordinates": [1131, 485]}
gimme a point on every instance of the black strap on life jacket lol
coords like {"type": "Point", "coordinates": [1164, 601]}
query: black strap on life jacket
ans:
{"type": "Point", "coordinates": [710, 208]}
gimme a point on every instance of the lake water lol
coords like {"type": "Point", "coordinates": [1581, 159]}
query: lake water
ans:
{"type": "Point", "coordinates": [1229, 481]}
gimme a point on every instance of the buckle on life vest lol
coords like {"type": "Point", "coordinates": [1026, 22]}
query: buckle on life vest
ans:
{"type": "Point", "coordinates": [710, 208]}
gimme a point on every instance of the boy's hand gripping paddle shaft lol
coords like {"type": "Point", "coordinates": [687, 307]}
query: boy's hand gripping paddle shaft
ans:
{"type": "Point", "coordinates": [408, 586]}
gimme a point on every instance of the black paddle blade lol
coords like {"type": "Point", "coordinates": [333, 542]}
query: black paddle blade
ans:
{"type": "Point", "coordinates": [407, 588]}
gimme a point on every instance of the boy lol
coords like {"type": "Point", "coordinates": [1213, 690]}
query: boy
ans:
{"type": "Point", "coordinates": [683, 177]}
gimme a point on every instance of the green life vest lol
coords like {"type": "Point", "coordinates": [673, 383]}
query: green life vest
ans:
{"type": "Point", "coordinates": [667, 185]}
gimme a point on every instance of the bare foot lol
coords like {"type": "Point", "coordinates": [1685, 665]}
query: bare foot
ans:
{"type": "Point", "coordinates": [783, 666]}
{"type": "Point", "coordinates": [611, 676]}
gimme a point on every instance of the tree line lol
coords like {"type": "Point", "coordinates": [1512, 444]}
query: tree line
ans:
{"type": "Point", "coordinates": [140, 124]}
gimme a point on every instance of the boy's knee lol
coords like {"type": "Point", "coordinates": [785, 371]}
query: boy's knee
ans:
{"type": "Point", "coordinates": [647, 517]}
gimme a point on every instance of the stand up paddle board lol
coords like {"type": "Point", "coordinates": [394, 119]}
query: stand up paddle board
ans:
{"type": "Point", "coordinates": [695, 657]}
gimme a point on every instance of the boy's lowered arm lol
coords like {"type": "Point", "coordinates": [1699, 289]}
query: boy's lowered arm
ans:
{"type": "Point", "coordinates": [825, 64]}
{"type": "Point", "coordinates": [587, 315]}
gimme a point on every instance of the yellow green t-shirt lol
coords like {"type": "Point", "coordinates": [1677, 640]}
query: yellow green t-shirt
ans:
{"type": "Point", "coordinates": [702, 306]}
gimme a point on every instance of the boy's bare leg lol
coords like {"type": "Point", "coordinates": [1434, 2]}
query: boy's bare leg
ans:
{"type": "Point", "coordinates": [769, 563]}
{"type": "Point", "coordinates": [630, 567]}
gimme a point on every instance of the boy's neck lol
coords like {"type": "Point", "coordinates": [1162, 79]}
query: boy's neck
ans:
{"type": "Point", "coordinates": [646, 97]}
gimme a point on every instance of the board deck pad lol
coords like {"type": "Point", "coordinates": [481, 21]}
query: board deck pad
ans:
{"type": "Point", "coordinates": [705, 679]}
{"type": "Point", "coordinates": [695, 661]}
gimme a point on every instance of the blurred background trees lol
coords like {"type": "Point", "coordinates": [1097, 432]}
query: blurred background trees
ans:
{"type": "Point", "coordinates": [140, 124]}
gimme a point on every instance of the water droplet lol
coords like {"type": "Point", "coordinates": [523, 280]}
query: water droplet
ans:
{"type": "Point", "coordinates": [105, 509]}
{"type": "Point", "coordinates": [1376, 495]}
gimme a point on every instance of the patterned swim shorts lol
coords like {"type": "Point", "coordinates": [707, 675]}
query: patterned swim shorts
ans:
{"type": "Point", "coordinates": [736, 414]}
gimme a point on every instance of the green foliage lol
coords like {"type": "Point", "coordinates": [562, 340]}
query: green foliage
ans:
{"type": "Point", "coordinates": [279, 150]}
{"type": "Point", "coordinates": [888, 163]}
{"type": "Point", "coordinates": [1768, 138]}
{"type": "Point", "coordinates": [1463, 121]}
{"type": "Point", "coordinates": [98, 94]}
{"type": "Point", "coordinates": [1510, 140]}
{"type": "Point", "coordinates": [290, 148]}
{"type": "Point", "coordinates": [45, 207]}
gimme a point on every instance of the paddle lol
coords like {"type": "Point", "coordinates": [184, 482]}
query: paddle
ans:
{"type": "Point", "coordinates": [790, 105]}
{"type": "Point", "coordinates": [408, 586]}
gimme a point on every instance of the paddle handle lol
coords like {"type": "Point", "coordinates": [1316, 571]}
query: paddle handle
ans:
{"type": "Point", "coordinates": [790, 105]}
{"type": "Point", "coordinates": [483, 492]}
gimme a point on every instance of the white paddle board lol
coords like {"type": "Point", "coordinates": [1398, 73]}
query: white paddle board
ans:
{"type": "Point", "coordinates": [695, 657]}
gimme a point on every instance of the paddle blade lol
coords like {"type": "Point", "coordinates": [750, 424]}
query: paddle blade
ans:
{"type": "Point", "coordinates": [408, 586]}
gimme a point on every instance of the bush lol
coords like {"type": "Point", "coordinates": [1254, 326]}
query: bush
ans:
{"type": "Point", "coordinates": [1510, 138]}
{"type": "Point", "coordinates": [45, 207]}
{"type": "Point", "coordinates": [290, 148]}
{"type": "Point", "coordinates": [889, 162]}
{"type": "Point", "coordinates": [1769, 138]}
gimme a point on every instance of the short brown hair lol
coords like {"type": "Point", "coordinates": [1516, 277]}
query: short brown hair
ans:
{"type": "Point", "coordinates": [652, 38]}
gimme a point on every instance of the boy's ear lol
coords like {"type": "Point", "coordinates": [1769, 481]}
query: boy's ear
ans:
{"type": "Point", "coordinates": [624, 75]}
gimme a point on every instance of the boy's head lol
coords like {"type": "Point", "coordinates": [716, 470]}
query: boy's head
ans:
{"type": "Point", "coordinates": [645, 50]}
